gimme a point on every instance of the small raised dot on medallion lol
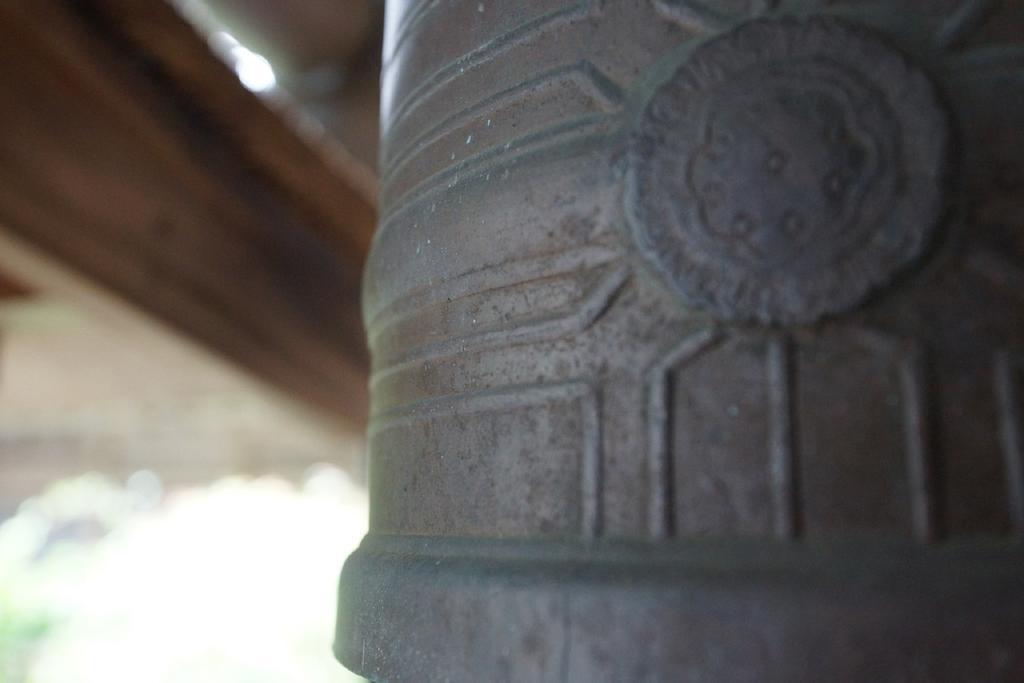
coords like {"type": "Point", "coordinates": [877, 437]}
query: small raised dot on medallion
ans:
{"type": "Point", "coordinates": [742, 224]}
{"type": "Point", "coordinates": [776, 161]}
{"type": "Point", "coordinates": [664, 110]}
{"type": "Point", "coordinates": [721, 140]}
{"type": "Point", "coordinates": [793, 224]}
{"type": "Point", "coordinates": [712, 194]}
{"type": "Point", "coordinates": [835, 185]}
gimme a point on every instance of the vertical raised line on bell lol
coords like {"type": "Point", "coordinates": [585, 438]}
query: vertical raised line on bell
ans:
{"type": "Point", "coordinates": [661, 507]}
{"type": "Point", "coordinates": [659, 493]}
{"type": "Point", "coordinates": [917, 442]}
{"type": "Point", "coordinates": [1010, 432]}
{"type": "Point", "coordinates": [590, 471]}
{"type": "Point", "coordinates": [782, 439]}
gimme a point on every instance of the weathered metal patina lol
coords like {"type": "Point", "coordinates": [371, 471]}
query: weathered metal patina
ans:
{"type": "Point", "coordinates": [698, 336]}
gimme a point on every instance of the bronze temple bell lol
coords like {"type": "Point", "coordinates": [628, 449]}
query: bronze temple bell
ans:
{"type": "Point", "coordinates": [698, 338]}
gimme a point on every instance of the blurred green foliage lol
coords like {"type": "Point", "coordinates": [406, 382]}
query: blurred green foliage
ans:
{"type": "Point", "coordinates": [233, 583]}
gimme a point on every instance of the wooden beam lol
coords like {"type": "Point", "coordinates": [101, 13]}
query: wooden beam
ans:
{"type": "Point", "coordinates": [131, 155]}
{"type": "Point", "coordinates": [342, 212]}
{"type": "Point", "coordinates": [302, 35]}
{"type": "Point", "coordinates": [12, 288]}
{"type": "Point", "coordinates": [326, 55]}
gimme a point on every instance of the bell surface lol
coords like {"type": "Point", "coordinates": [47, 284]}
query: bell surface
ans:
{"type": "Point", "coordinates": [698, 344]}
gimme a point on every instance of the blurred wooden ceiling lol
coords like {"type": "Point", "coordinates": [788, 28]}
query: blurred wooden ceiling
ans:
{"type": "Point", "coordinates": [326, 54]}
{"type": "Point", "coordinates": [133, 156]}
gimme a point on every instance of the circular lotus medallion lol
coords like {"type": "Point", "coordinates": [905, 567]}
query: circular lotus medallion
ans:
{"type": "Point", "coordinates": [787, 169]}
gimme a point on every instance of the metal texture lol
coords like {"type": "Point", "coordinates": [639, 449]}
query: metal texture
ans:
{"type": "Point", "coordinates": [698, 338]}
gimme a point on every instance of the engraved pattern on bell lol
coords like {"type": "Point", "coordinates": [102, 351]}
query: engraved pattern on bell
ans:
{"type": "Point", "coordinates": [787, 169]}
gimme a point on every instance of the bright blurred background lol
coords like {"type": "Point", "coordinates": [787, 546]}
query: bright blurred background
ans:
{"type": "Point", "coordinates": [165, 516]}
{"type": "Point", "coordinates": [103, 581]}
